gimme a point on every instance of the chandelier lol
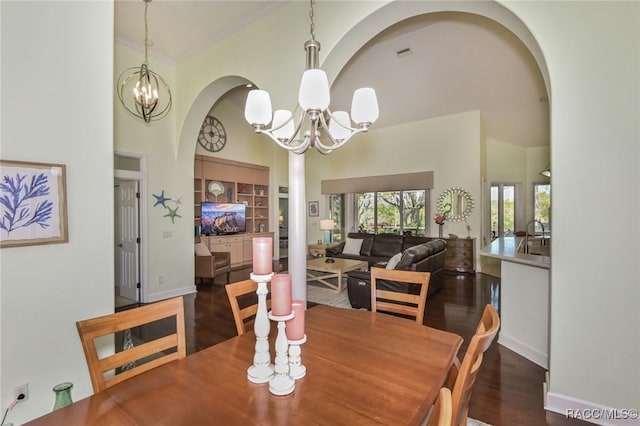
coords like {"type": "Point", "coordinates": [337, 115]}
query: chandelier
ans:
{"type": "Point", "coordinates": [138, 87]}
{"type": "Point", "coordinates": [313, 107]}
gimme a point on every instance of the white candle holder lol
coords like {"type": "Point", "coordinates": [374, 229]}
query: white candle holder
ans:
{"type": "Point", "coordinates": [262, 369]}
{"type": "Point", "coordinates": [297, 370]}
{"type": "Point", "coordinates": [281, 383]}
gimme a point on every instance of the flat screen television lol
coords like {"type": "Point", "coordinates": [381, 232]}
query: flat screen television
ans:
{"type": "Point", "coordinates": [222, 218]}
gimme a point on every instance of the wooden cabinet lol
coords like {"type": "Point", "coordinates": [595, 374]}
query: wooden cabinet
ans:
{"type": "Point", "coordinates": [239, 246]}
{"type": "Point", "coordinates": [233, 182]}
{"type": "Point", "coordinates": [461, 255]}
{"type": "Point", "coordinates": [232, 244]}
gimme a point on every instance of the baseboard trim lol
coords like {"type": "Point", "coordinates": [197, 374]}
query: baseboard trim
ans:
{"type": "Point", "coordinates": [589, 411]}
{"type": "Point", "coordinates": [524, 350]}
{"type": "Point", "coordinates": [174, 292]}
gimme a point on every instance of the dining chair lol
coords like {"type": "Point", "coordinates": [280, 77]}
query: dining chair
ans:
{"type": "Point", "coordinates": [441, 412]}
{"type": "Point", "coordinates": [243, 313]}
{"type": "Point", "coordinates": [140, 358]}
{"type": "Point", "coordinates": [401, 301]}
{"type": "Point", "coordinates": [463, 376]}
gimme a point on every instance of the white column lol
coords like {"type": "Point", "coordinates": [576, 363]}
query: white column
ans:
{"type": "Point", "coordinates": [297, 226]}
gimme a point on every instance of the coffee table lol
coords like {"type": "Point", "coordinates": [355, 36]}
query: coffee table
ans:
{"type": "Point", "coordinates": [323, 271]}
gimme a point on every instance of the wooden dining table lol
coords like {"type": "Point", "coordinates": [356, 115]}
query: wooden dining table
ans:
{"type": "Point", "coordinates": [362, 368]}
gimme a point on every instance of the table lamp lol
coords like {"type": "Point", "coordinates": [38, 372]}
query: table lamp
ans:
{"type": "Point", "coordinates": [327, 226]}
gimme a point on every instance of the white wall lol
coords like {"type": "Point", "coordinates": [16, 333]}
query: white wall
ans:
{"type": "Point", "coordinates": [593, 54]}
{"type": "Point", "coordinates": [243, 144]}
{"type": "Point", "coordinates": [449, 146]}
{"type": "Point", "coordinates": [57, 107]}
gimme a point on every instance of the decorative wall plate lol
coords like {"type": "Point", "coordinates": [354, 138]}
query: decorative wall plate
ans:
{"type": "Point", "coordinates": [215, 188]}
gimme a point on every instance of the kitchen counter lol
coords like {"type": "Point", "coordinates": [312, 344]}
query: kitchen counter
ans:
{"type": "Point", "coordinates": [524, 296]}
{"type": "Point", "coordinates": [506, 248]}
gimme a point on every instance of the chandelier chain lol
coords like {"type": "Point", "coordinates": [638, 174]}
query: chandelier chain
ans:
{"type": "Point", "coordinates": [146, 32]}
{"type": "Point", "coordinates": [146, 86]}
{"type": "Point", "coordinates": [313, 24]}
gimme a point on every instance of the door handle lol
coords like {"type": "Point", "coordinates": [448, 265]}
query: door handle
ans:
{"type": "Point", "coordinates": [120, 245]}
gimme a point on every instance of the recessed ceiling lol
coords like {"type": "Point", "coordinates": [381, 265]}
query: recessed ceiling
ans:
{"type": "Point", "coordinates": [458, 62]}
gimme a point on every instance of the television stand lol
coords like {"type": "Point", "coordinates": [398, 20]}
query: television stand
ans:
{"type": "Point", "coordinates": [239, 246]}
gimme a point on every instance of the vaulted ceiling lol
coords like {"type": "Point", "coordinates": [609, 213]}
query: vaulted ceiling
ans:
{"type": "Point", "coordinates": [424, 67]}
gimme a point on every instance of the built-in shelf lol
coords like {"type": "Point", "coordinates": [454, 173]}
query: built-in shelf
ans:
{"type": "Point", "coordinates": [241, 183]}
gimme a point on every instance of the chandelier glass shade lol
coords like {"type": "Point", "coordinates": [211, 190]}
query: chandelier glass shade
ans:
{"type": "Point", "coordinates": [143, 92]}
{"type": "Point", "coordinates": [313, 109]}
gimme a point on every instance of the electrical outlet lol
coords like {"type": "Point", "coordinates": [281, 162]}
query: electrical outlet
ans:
{"type": "Point", "coordinates": [22, 389]}
{"type": "Point", "coordinates": [160, 280]}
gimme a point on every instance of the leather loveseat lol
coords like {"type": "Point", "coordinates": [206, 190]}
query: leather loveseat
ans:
{"type": "Point", "coordinates": [425, 257]}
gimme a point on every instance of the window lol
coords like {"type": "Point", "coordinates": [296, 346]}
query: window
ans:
{"type": "Point", "coordinates": [366, 211]}
{"type": "Point", "coordinates": [542, 204]}
{"type": "Point", "coordinates": [336, 213]}
{"type": "Point", "coordinates": [387, 212]}
{"type": "Point", "coordinates": [414, 212]}
{"type": "Point", "coordinates": [391, 212]}
{"type": "Point", "coordinates": [503, 210]}
{"type": "Point", "coordinates": [123, 162]}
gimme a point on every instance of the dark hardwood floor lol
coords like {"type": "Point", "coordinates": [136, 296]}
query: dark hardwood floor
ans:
{"type": "Point", "coordinates": [508, 390]}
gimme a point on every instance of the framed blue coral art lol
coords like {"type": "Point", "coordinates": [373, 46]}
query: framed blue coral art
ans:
{"type": "Point", "coordinates": [33, 204]}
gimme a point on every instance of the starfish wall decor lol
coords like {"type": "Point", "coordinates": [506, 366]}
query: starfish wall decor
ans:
{"type": "Point", "coordinates": [162, 200]}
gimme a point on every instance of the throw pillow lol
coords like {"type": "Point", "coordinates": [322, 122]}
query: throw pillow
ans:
{"type": "Point", "coordinates": [393, 262]}
{"type": "Point", "coordinates": [352, 246]}
{"type": "Point", "coordinates": [202, 250]}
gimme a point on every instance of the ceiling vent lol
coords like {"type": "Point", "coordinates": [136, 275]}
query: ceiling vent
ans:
{"type": "Point", "coordinates": [404, 52]}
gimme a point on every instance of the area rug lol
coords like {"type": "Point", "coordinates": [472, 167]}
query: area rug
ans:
{"type": "Point", "coordinates": [327, 296]}
{"type": "Point", "coordinates": [474, 422]}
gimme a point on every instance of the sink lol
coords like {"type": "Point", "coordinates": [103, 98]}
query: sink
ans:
{"type": "Point", "coordinates": [540, 246]}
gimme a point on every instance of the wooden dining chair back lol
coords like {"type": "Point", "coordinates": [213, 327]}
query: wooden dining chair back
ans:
{"type": "Point", "coordinates": [464, 375]}
{"type": "Point", "coordinates": [137, 359]}
{"type": "Point", "coordinates": [400, 302]}
{"type": "Point", "coordinates": [244, 303]}
{"type": "Point", "coordinates": [441, 411]}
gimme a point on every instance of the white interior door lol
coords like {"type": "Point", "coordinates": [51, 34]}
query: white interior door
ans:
{"type": "Point", "coordinates": [127, 253]}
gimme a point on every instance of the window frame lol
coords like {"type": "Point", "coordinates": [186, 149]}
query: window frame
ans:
{"type": "Point", "coordinates": [402, 225]}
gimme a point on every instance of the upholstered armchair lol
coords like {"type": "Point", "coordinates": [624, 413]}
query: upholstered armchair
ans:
{"type": "Point", "coordinates": [211, 264]}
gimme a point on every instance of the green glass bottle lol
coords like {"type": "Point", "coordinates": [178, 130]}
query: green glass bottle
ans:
{"type": "Point", "coordinates": [63, 395]}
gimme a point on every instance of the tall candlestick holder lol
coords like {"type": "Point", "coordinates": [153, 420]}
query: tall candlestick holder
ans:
{"type": "Point", "coordinates": [297, 370]}
{"type": "Point", "coordinates": [281, 383]}
{"type": "Point", "coordinates": [262, 369]}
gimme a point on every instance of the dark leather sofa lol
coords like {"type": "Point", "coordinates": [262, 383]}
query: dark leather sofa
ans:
{"type": "Point", "coordinates": [418, 254]}
{"type": "Point", "coordinates": [377, 248]}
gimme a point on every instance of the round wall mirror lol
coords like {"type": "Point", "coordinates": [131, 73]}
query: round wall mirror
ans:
{"type": "Point", "coordinates": [456, 204]}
